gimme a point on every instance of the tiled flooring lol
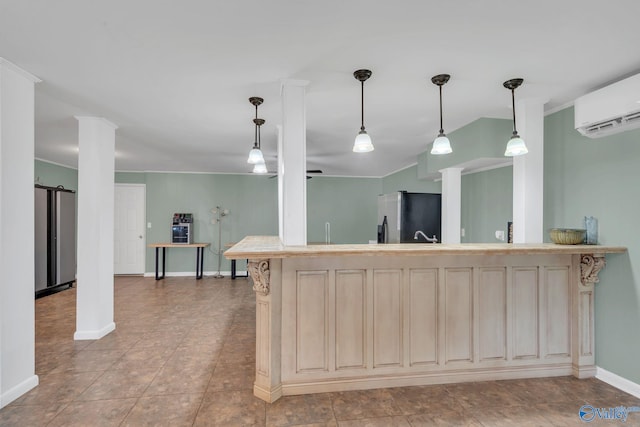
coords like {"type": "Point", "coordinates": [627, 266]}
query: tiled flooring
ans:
{"type": "Point", "coordinates": [183, 355]}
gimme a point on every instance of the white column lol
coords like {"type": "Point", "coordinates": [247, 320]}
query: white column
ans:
{"type": "Point", "coordinates": [451, 202]}
{"type": "Point", "coordinates": [280, 185]}
{"type": "Point", "coordinates": [292, 164]}
{"type": "Point", "coordinates": [17, 288]}
{"type": "Point", "coordinates": [94, 306]}
{"type": "Point", "coordinates": [528, 173]}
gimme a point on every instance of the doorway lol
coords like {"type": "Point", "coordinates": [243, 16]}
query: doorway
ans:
{"type": "Point", "coordinates": [129, 229]}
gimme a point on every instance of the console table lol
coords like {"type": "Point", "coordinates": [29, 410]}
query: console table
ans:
{"type": "Point", "coordinates": [199, 255]}
{"type": "Point", "coordinates": [233, 263]}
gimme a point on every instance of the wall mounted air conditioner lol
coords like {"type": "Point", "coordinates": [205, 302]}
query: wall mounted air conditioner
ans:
{"type": "Point", "coordinates": [612, 109]}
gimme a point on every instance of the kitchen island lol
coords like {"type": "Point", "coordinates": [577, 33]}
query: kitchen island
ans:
{"type": "Point", "coordinates": [351, 317]}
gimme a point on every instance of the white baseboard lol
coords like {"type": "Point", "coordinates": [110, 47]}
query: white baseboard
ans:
{"type": "Point", "coordinates": [239, 273]}
{"type": "Point", "coordinates": [17, 391]}
{"type": "Point", "coordinates": [94, 335]}
{"type": "Point", "coordinates": [618, 382]}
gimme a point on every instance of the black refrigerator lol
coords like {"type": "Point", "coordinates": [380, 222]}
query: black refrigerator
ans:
{"type": "Point", "coordinates": [55, 238]}
{"type": "Point", "coordinates": [401, 215]}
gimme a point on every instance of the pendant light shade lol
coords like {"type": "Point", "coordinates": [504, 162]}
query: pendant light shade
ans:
{"type": "Point", "coordinates": [516, 145]}
{"type": "Point", "coordinates": [255, 155]}
{"type": "Point", "coordinates": [441, 144]}
{"type": "Point", "coordinates": [259, 165]}
{"type": "Point", "coordinates": [363, 142]}
{"type": "Point", "coordinates": [260, 168]}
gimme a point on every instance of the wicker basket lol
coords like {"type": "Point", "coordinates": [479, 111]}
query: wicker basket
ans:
{"type": "Point", "coordinates": [567, 236]}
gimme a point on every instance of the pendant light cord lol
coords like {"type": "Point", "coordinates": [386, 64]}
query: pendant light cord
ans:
{"type": "Point", "coordinates": [362, 106]}
{"type": "Point", "coordinates": [255, 137]}
{"type": "Point", "coordinates": [257, 143]}
{"type": "Point", "coordinates": [258, 136]}
{"type": "Point", "coordinates": [441, 128]}
{"type": "Point", "coordinates": [513, 108]}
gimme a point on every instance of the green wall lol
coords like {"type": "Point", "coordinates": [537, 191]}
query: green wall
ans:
{"type": "Point", "coordinates": [483, 138]}
{"type": "Point", "coordinates": [350, 205]}
{"type": "Point", "coordinates": [486, 204]}
{"type": "Point", "coordinates": [407, 180]}
{"type": "Point", "coordinates": [600, 177]}
{"type": "Point", "coordinates": [52, 175]}
{"type": "Point", "coordinates": [251, 200]}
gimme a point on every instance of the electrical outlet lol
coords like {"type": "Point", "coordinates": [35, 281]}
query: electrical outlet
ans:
{"type": "Point", "coordinates": [500, 235]}
{"type": "Point", "coordinates": [462, 232]}
{"type": "Point", "coordinates": [148, 225]}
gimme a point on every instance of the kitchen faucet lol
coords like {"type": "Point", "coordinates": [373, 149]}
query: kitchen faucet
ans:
{"type": "Point", "coordinates": [433, 239]}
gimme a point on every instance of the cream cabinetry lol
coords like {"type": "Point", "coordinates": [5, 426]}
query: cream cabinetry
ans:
{"type": "Point", "coordinates": [337, 321]}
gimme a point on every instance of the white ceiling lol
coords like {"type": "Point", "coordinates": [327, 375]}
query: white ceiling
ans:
{"type": "Point", "coordinates": [175, 76]}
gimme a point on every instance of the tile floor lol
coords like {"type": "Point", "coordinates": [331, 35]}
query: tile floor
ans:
{"type": "Point", "coordinates": [183, 355]}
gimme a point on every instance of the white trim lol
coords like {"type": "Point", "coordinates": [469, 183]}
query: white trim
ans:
{"type": "Point", "coordinates": [618, 382]}
{"type": "Point", "coordinates": [55, 163]}
{"type": "Point", "coordinates": [558, 108]}
{"type": "Point", "coordinates": [13, 67]}
{"type": "Point", "coordinates": [403, 168]}
{"type": "Point", "coordinates": [94, 335]}
{"type": "Point", "coordinates": [488, 168]}
{"type": "Point", "coordinates": [20, 389]}
{"type": "Point", "coordinates": [484, 169]}
{"type": "Point", "coordinates": [99, 119]}
{"type": "Point", "coordinates": [239, 273]}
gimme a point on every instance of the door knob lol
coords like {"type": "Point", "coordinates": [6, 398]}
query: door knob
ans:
{"type": "Point", "coordinates": [140, 236]}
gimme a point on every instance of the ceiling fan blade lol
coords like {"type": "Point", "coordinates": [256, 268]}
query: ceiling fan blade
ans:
{"type": "Point", "coordinates": [308, 171]}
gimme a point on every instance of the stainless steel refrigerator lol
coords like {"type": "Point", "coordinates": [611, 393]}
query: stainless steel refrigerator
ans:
{"type": "Point", "coordinates": [55, 238]}
{"type": "Point", "coordinates": [401, 215]}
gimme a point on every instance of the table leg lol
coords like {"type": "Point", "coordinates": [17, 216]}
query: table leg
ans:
{"type": "Point", "coordinates": [164, 257]}
{"type": "Point", "coordinates": [233, 269]}
{"type": "Point", "coordinates": [164, 261]}
{"type": "Point", "coordinates": [199, 262]}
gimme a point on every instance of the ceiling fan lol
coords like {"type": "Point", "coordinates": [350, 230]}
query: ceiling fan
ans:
{"type": "Point", "coordinates": [309, 171]}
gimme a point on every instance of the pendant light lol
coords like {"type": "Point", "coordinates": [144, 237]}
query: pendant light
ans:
{"type": "Point", "coordinates": [441, 144]}
{"type": "Point", "coordinates": [259, 167]}
{"type": "Point", "coordinates": [363, 140]}
{"type": "Point", "coordinates": [255, 155]}
{"type": "Point", "coordinates": [516, 145]}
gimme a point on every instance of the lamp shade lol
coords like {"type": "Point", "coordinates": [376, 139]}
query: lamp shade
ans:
{"type": "Point", "coordinates": [516, 147]}
{"type": "Point", "coordinates": [441, 145]}
{"type": "Point", "coordinates": [260, 168]}
{"type": "Point", "coordinates": [255, 156]}
{"type": "Point", "coordinates": [363, 143]}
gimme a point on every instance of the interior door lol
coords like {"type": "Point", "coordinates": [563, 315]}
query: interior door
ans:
{"type": "Point", "coordinates": [129, 229]}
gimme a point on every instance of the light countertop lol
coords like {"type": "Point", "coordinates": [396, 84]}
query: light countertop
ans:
{"type": "Point", "coordinates": [263, 247]}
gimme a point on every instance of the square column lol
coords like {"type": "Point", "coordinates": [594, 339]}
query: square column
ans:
{"type": "Point", "coordinates": [451, 204]}
{"type": "Point", "coordinates": [292, 164]}
{"type": "Point", "coordinates": [528, 174]}
{"type": "Point", "coordinates": [94, 306]}
{"type": "Point", "coordinates": [17, 289]}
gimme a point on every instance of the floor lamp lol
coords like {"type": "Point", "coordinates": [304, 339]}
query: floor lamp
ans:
{"type": "Point", "coordinates": [219, 213]}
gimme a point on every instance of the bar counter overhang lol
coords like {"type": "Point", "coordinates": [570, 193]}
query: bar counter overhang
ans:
{"type": "Point", "coordinates": [352, 317]}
